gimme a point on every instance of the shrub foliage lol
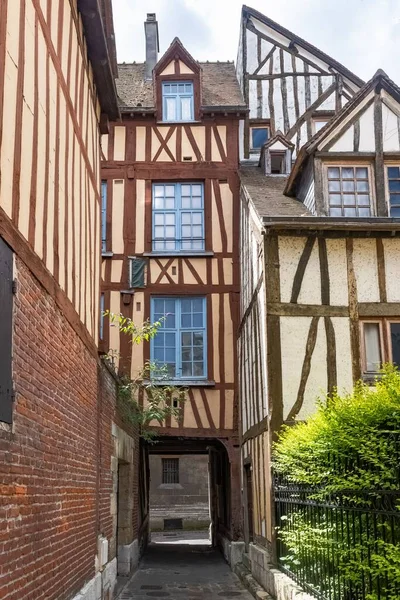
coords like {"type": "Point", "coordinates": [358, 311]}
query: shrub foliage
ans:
{"type": "Point", "coordinates": [342, 469]}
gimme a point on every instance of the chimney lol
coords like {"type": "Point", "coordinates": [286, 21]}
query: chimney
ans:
{"type": "Point", "coordinates": [152, 46]}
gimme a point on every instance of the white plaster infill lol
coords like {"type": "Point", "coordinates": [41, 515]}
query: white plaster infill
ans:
{"type": "Point", "coordinates": [101, 583]}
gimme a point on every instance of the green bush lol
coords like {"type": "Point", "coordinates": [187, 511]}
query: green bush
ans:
{"type": "Point", "coordinates": [341, 469]}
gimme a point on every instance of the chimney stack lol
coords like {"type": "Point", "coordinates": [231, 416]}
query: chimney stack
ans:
{"type": "Point", "coordinates": [152, 46]}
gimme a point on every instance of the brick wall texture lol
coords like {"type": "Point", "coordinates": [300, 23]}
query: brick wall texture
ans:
{"type": "Point", "coordinates": [55, 462]}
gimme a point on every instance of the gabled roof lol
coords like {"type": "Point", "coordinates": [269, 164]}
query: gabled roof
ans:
{"type": "Point", "coordinates": [177, 50]}
{"type": "Point", "coordinates": [220, 88]}
{"type": "Point", "coordinates": [278, 137]}
{"type": "Point", "coordinates": [379, 81]}
{"type": "Point", "coordinates": [247, 11]}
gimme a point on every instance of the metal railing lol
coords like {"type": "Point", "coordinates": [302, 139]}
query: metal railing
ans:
{"type": "Point", "coordinates": [339, 546]}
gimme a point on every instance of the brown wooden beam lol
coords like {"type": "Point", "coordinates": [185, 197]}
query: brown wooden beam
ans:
{"type": "Point", "coordinates": [283, 309]}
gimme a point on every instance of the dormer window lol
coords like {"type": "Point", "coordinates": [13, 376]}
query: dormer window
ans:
{"type": "Point", "coordinates": [178, 104]}
{"type": "Point", "coordinates": [278, 163]}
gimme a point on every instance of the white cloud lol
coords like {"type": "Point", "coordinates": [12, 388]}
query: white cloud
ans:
{"type": "Point", "coordinates": [362, 34]}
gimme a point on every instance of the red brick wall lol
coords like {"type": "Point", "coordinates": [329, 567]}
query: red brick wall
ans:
{"type": "Point", "coordinates": [55, 464]}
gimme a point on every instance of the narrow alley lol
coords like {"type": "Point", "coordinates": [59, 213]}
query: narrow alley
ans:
{"type": "Point", "coordinates": [183, 569]}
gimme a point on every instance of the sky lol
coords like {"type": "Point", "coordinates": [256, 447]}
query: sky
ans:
{"type": "Point", "coordinates": [364, 35]}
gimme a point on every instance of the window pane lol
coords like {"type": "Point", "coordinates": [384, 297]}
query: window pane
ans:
{"type": "Point", "coordinates": [333, 173]}
{"type": "Point", "coordinates": [362, 173]}
{"type": "Point", "coordinates": [395, 211]}
{"type": "Point", "coordinates": [393, 172]}
{"type": "Point", "coordinates": [158, 190]}
{"type": "Point", "coordinates": [259, 136]}
{"type": "Point", "coordinates": [198, 369]}
{"type": "Point", "coordinates": [394, 185]}
{"type": "Point", "coordinates": [187, 369]}
{"type": "Point", "coordinates": [335, 212]}
{"type": "Point", "coordinates": [349, 212]}
{"type": "Point", "coordinates": [185, 190]}
{"type": "Point", "coordinates": [373, 355]}
{"type": "Point", "coordinates": [349, 199]}
{"type": "Point", "coordinates": [362, 186]}
{"type": "Point", "coordinates": [186, 320]}
{"type": "Point", "coordinates": [348, 186]}
{"type": "Point", "coordinates": [364, 212]}
{"type": "Point", "coordinates": [186, 109]}
{"type": "Point", "coordinates": [197, 202]}
{"type": "Point", "coordinates": [347, 173]}
{"type": "Point", "coordinates": [395, 338]}
{"type": "Point", "coordinates": [334, 186]}
{"type": "Point", "coordinates": [196, 190]}
{"type": "Point", "coordinates": [170, 109]}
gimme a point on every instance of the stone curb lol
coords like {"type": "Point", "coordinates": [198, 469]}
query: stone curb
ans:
{"type": "Point", "coordinates": [250, 583]}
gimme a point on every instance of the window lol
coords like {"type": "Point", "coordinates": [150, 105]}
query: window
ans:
{"type": "Point", "coordinates": [259, 134]}
{"type": "Point", "coordinates": [318, 124]}
{"type": "Point", "coordinates": [349, 192]}
{"type": "Point", "coordinates": [102, 305]}
{"type": "Point", "coordinates": [180, 344]}
{"type": "Point", "coordinates": [393, 175]}
{"type": "Point", "coordinates": [104, 216]}
{"type": "Point", "coordinates": [380, 344]}
{"type": "Point", "coordinates": [178, 101]}
{"type": "Point", "coordinates": [178, 217]}
{"type": "Point", "coordinates": [170, 470]}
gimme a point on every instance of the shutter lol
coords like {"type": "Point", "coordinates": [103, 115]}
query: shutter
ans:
{"type": "Point", "coordinates": [138, 267]}
{"type": "Point", "coordinates": [6, 307]}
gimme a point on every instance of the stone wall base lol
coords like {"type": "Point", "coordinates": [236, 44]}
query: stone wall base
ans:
{"type": "Point", "coordinates": [128, 558]}
{"type": "Point", "coordinates": [276, 583]}
{"type": "Point", "coordinates": [232, 551]}
{"type": "Point", "coordinates": [101, 587]}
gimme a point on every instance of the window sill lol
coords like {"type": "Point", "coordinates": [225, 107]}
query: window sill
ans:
{"type": "Point", "coordinates": [179, 122]}
{"type": "Point", "coordinates": [199, 254]}
{"type": "Point", "coordinates": [107, 254]}
{"type": "Point", "coordinates": [183, 383]}
{"type": "Point", "coordinates": [170, 486]}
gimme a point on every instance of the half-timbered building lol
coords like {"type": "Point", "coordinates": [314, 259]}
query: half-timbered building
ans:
{"type": "Point", "coordinates": [61, 441]}
{"type": "Point", "coordinates": [170, 233]}
{"type": "Point", "coordinates": [320, 237]}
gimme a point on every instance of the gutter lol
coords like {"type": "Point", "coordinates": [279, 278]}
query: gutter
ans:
{"type": "Point", "coordinates": [99, 57]}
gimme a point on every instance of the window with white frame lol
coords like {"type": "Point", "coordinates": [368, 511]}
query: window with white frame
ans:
{"type": "Point", "coordinates": [349, 192]}
{"type": "Point", "coordinates": [393, 179]}
{"type": "Point", "coordinates": [178, 217]}
{"type": "Point", "coordinates": [380, 343]}
{"type": "Point", "coordinates": [178, 101]}
{"type": "Point", "coordinates": [180, 344]}
{"type": "Point", "coordinates": [104, 216]}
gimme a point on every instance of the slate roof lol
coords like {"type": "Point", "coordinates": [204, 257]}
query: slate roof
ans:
{"type": "Point", "coordinates": [219, 83]}
{"type": "Point", "coordinates": [266, 193]}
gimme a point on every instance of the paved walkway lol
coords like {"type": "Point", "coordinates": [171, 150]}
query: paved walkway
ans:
{"type": "Point", "coordinates": [183, 571]}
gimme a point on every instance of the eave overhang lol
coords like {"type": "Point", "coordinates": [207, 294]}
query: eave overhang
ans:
{"type": "Point", "coordinates": [99, 57]}
{"type": "Point", "coordinates": [345, 225]}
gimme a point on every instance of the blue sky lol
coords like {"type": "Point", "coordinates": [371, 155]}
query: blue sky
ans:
{"type": "Point", "coordinates": [362, 34]}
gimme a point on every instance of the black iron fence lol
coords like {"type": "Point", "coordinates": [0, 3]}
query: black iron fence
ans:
{"type": "Point", "coordinates": [339, 546]}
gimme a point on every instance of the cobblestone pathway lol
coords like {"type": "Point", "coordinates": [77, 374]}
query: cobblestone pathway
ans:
{"type": "Point", "coordinates": [183, 571]}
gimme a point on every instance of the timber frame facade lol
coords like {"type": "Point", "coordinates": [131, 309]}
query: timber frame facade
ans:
{"type": "Point", "coordinates": [320, 306]}
{"type": "Point", "coordinates": [142, 155]}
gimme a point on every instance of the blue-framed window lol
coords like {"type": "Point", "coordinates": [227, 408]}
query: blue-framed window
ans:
{"type": "Point", "coordinates": [104, 216]}
{"type": "Point", "coordinates": [178, 217]}
{"type": "Point", "coordinates": [393, 175]}
{"type": "Point", "coordinates": [181, 343]}
{"type": "Point", "coordinates": [178, 103]}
